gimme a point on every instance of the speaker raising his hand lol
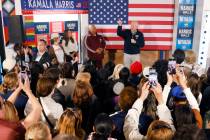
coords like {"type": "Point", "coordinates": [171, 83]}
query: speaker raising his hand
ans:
{"type": "Point", "coordinates": [120, 22]}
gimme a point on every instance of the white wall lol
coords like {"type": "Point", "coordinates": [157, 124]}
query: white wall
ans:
{"type": "Point", "coordinates": [175, 24]}
{"type": "Point", "coordinates": [204, 47]}
{"type": "Point", "coordinates": [197, 27]}
{"type": "Point", "coordinates": [18, 10]}
{"type": "Point", "coordinates": [2, 19]}
{"type": "Point", "coordinates": [84, 31]}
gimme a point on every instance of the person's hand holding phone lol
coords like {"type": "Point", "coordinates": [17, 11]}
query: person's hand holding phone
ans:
{"type": "Point", "coordinates": [181, 79]}
{"type": "Point", "coordinates": [20, 84]}
{"type": "Point", "coordinates": [26, 85]}
{"type": "Point", "coordinates": [144, 91]}
{"type": "Point", "coordinates": [172, 66]}
{"type": "Point", "coordinates": [157, 90]}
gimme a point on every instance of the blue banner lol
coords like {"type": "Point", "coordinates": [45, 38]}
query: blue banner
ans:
{"type": "Point", "coordinates": [42, 28]}
{"type": "Point", "coordinates": [54, 4]}
{"type": "Point", "coordinates": [186, 21]}
{"type": "Point", "coordinates": [71, 25]}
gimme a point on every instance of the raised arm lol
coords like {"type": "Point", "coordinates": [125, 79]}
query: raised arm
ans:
{"type": "Point", "coordinates": [190, 97]}
{"type": "Point", "coordinates": [120, 32]}
{"type": "Point", "coordinates": [167, 87]}
{"type": "Point", "coordinates": [130, 128]}
{"type": "Point", "coordinates": [35, 114]}
{"type": "Point", "coordinates": [162, 110]}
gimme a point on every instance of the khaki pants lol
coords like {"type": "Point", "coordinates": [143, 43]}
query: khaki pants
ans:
{"type": "Point", "coordinates": [130, 58]}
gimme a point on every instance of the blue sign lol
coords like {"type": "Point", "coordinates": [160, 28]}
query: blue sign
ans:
{"type": "Point", "coordinates": [42, 28]}
{"type": "Point", "coordinates": [54, 4]}
{"type": "Point", "coordinates": [71, 25]}
{"type": "Point", "coordinates": [186, 21]}
{"type": "Point", "coordinates": [187, 1]}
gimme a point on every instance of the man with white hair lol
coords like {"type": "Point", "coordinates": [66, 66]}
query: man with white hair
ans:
{"type": "Point", "coordinates": [133, 41]}
{"type": "Point", "coordinates": [95, 45]}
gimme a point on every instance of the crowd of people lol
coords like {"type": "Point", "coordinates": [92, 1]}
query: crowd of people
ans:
{"type": "Point", "coordinates": [45, 95]}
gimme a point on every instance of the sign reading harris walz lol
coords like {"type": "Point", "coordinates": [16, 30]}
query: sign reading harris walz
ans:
{"type": "Point", "coordinates": [42, 28]}
{"type": "Point", "coordinates": [79, 6]}
{"type": "Point", "coordinates": [71, 25]}
{"type": "Point", "coordinates": [186, 20]}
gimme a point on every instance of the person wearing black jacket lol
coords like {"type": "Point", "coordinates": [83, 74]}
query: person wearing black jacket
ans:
{"type": "Point", "coordinates": [133, 41]}
{"type": "Point", "coordinates": [42, 56]}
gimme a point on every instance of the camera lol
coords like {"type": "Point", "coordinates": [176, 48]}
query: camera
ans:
{"type": "Point", "coordinates": [152, 77]}
{"type": "Point", "coordinates": [172, 66]}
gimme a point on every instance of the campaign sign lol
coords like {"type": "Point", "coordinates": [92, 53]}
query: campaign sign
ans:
{"type": "Point", "coordinates": [57, 27]}
{"type": "Point", "coordinates": [42, 28]}
{"type": "Point", "coordinates": [186, 21]}
{"type": "Point", "coordinates": [54, 4]}
{"type": "Point", "coordinates": [71, 25]}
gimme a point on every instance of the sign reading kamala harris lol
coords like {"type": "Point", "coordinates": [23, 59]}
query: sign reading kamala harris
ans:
{"type": "Point", "coordinates": [71, 25]}
{"type": "Point", "coordinates": [186, 20]}
{"type": "Point", "coordinates": [54, 4]}
{"type": "Point", "coordinates": [42, 28]}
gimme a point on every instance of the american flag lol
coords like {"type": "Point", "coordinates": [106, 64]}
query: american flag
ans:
{"type": "Point", "coordinates": [155, 17]}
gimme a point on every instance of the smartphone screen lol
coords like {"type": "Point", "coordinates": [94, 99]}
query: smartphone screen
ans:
{"type": "Point", "coordinates": [172, 66]}
{"type": "Point", "coordinates": [23, 76]}
{"type": "Point", "coordinates": [152, 77]}
{"type": "Point", "coordinates": [181, 69]}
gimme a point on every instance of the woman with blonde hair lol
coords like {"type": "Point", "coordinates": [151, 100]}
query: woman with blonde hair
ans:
{"type": "Point", "coordinates": [38, 131]}
{"type": "Point", "coordinates": [191, 63]}
{"type": "Point", "coordinates": [11, 114]}
{"type": "Point", "coordinates": [115, 74]}
{"type": "Point", "coordinates": [83, 76]}
{"type": "Point", "coordinates": [70, 123]}
{"type": "Point", "coordinates": [11, 85]}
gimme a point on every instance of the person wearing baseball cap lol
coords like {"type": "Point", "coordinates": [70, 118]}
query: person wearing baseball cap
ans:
{"type": "Point", "coordinates": [56, 51]}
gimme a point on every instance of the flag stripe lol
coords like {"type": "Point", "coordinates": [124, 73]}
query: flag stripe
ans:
{"type": "Point", "coordinates": [145, 34]}
{"type": "Point", "coordinates": [151, 6]}
{"type": "Point", "coordinates": [155, 22]}
{"type": "Point", "coordinates": [146, 38]}
{"type": "Point", "coordinates": [152, 1]}
{"type": "Point", "coordinates": [142, 30]}
{"type": "Point", "coordinates": [153, 10]}
{"type": "Point", "coordinates": [146, 47]}
{"type": "Point", "coordinates": [146, 18]}
{"type": "Point", "coordinates": [151, 14]}
{"type": "Point", "coordinates": [140, 26]}
{"type": "Point", "coordinates": [166, 43]}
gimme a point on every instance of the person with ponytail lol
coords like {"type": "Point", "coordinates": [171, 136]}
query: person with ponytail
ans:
{"type": "Point", "coordinates": [103, 127]}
